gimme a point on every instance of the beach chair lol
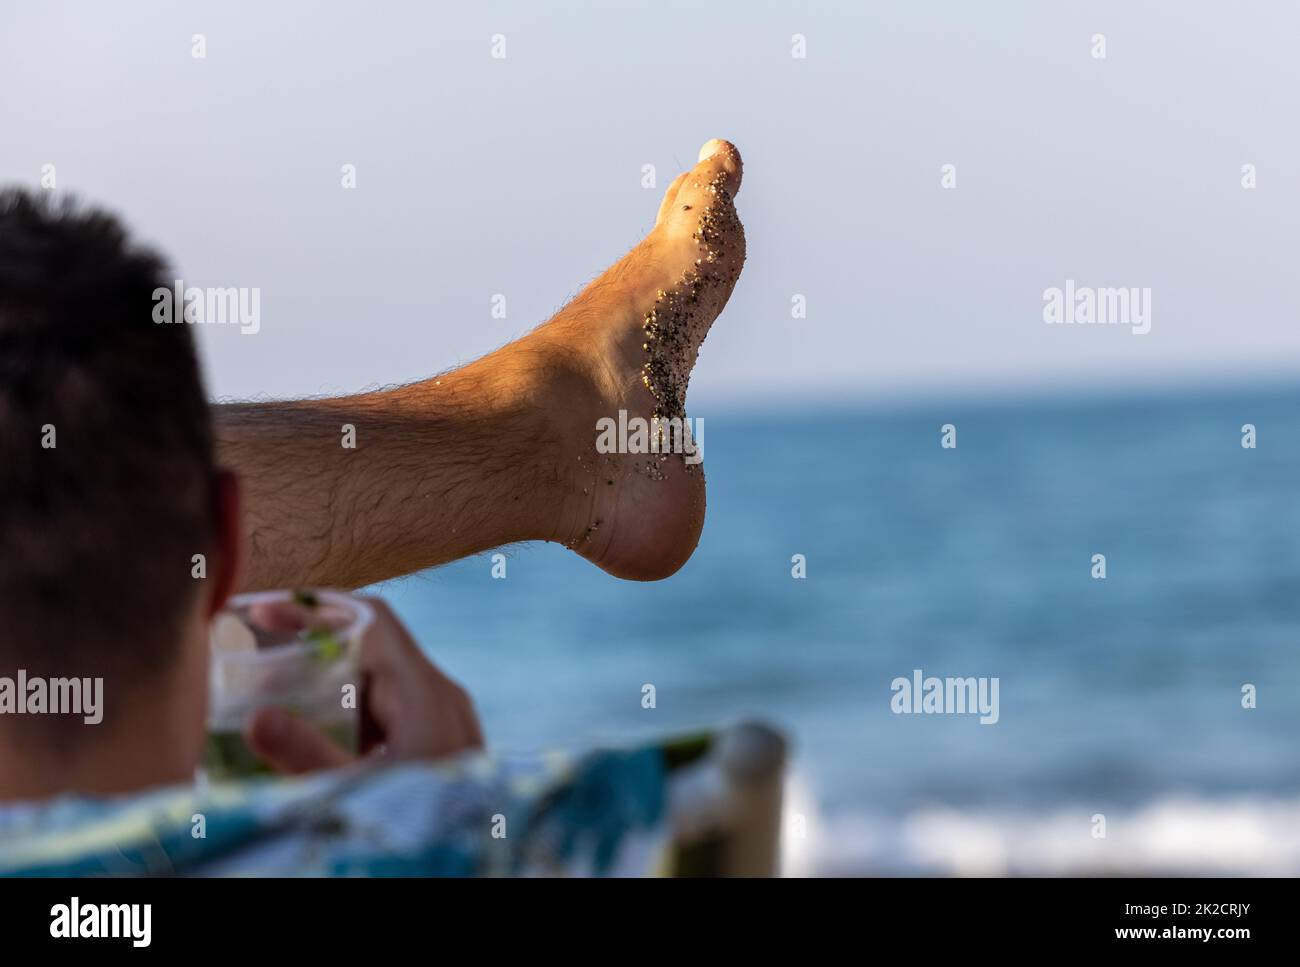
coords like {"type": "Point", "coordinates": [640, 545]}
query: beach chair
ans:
{"type": "Point", "coordinates": [724, 801]}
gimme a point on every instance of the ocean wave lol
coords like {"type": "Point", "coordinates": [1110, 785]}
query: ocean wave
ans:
{"type": "Point", "coordinates": [1174, 834]}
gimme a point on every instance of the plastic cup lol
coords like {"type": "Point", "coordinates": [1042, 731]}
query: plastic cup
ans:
{"type": "Point", "coordinates": [254, 662]}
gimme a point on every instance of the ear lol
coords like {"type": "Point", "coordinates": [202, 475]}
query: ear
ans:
{"type": "Point", "coordinates": [228, 541]}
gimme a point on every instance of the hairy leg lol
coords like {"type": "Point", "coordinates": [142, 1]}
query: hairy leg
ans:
{"type": "Point", "coordinates": [504, 449]}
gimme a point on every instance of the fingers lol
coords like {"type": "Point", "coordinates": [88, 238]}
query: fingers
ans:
{"type": "Point", "coordinates": [387, 644]}
{"type": "Point", "coordinates": [410, 708]}
{"type": "Point", "coordinates": [293, 615]}
{"type": "Point", "coordinates": [420, 712]}
{"type": "Point", "coordinates": [472, 729]}
{"type": "Point", "coordinates": [291, 744]}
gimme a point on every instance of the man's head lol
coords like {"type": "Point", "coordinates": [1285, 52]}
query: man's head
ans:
{"type": "Point", "coordinates": [108, 487]}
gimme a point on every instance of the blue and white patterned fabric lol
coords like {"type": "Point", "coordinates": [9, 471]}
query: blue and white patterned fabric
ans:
{"type": "Point", "coordinates": [597, 814]}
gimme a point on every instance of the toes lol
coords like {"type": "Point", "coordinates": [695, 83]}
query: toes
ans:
{"type": "Point", "coordinates": [718, 172]}
{"type": "Point", "coordinates": [670, 196]}
{"type": "Point", "coordinates": [719, 158]}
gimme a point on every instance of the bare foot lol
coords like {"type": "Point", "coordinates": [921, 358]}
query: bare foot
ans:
{"type": "Point", "coordinates": [628, 342]}
{"type": "Point", "coordinates": [505, 449]}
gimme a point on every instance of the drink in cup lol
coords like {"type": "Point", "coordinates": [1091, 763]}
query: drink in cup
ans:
{"type": "Point", "coordinates": [296, 650]}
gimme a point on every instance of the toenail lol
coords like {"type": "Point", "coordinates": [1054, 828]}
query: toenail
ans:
{"type": "Point", "coordinates": [710, 148]}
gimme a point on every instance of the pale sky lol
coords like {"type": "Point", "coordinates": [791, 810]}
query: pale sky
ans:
{"type": "Point", "coordinates": [522, 176]}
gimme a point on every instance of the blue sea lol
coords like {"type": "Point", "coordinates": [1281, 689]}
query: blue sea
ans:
{"type": "Point", "coordinates": [1120, 698]}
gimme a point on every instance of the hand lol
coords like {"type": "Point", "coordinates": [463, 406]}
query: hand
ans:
{"type": "Point", "coordinates": [409, 709]}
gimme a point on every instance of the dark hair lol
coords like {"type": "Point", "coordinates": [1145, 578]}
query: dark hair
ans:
{"type": "Point", "coordinates": [97, 531]}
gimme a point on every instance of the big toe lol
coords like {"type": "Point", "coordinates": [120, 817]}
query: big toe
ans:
{"type": "Point", "coordinates": [718, 170]}
{"type": "Point", "coordinates": [719, 164]}
{"type": "Point", "coordinates": [713, 181]}
{"type": "Point", "coordinates": [702, 214]}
